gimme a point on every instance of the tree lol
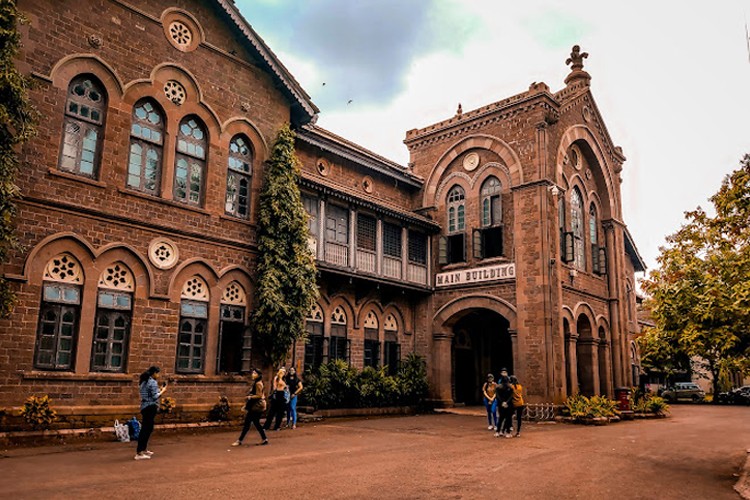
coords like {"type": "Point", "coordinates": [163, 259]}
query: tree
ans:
{"type": "Point", "coordinates": [17, 119]}
{"type": "Point", "coordinates": [700, 293]}
{"type": "Point", "coordinates": [287, 285]}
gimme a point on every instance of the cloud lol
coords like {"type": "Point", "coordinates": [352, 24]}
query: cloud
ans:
{"type": "Point", "coordinates": [555, 30]}
{"type": "Point", "coordinates": [361, 50]}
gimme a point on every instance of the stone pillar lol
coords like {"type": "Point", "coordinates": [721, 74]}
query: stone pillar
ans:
{"type": "Point", "coordinates": [588, 351]}
{"type": "Point", "coordinates": [614, 303]}
{"type": "Point", "coordinates": [572, 366]}
{"type": "Point", "coordinates": [605, 369]}
{"type": "Point", "coordinates": [442, 370]}
{"type": "Point", "coordinates": [518, 370]}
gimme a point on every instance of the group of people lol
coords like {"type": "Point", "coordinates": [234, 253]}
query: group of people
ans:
{"type": "Point", "coordinates": [503, 399]}
{"type": "Point", "coordinates": [285, 390]}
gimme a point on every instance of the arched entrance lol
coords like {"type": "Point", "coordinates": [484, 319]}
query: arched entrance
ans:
{"type": "Point", "coordinates": [481, 345]}
{"type": "Point", "coordinates": [586, 355]}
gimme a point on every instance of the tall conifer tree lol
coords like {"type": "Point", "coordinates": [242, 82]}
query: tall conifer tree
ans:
{"type": "Point", "coordinates": [17, 119]}
{"type": "Point", "coordinates": [286, 269]}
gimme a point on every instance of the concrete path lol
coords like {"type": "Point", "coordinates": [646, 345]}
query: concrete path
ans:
{"type": "Point", "coordinates": [696, 454]}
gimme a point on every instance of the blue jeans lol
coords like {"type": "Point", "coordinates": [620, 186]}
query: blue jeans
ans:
{"type": "Point", "coordinates": [291, 412]}
{"type": "Point", "coordinates": [491, 411]}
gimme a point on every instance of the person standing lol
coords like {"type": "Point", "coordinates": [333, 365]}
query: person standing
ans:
{"type": "Point", "coordinates": [294, 384]}
{"type": "Point", "coordinates": [255, 405]}
{"type": "Point", "coordinates": [279, 400]}
{"type": "Point", "coordinates": [518, 403]}
{"type": "Point", "coordinates": [150, 394]}
{"type": "Point", "coordinates": [504, 396]}
{"type": "Point", "coordinates": [490, 403]}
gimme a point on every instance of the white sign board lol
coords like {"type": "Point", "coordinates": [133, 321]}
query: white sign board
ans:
{"type": "Point", "coordinates": [476, 275]}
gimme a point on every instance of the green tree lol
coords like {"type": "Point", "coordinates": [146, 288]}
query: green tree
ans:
{"type": "Point", "coordinates": [287, 287]}
{"type": "Point", "coordinates": [699, 295]}
{"type": "Point", "coordinates": [17, 119]}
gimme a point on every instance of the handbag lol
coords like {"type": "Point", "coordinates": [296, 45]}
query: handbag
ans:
{"type": "Point", "coordinates": [256, 405]}
{"type": "Point", "coordinates": [121, 432]}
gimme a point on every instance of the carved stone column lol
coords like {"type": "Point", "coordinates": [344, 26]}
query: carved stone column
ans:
{"type": "Point", "coordinates": [572, 365]}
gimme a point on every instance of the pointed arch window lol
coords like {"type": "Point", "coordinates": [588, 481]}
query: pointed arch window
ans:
{"type": "Point", "coordinates": [372, 341]}
{"type": "Point", "coordinates": [235, 341]}
{"type": "Point", "coordinates": [114, 310]}
{"type": "Point", "coordinates": [190, 162]}
{"type": "Point", "coordinates": [191, 340]}
{"type": "Point", "coordinates": [338, 345]}
{"type": "Point", "coordinates": [391, 346]}
{"type": "Point", "coordinates": [598, 253]}
{"type": "Point", "coordinates": [85, 111]}
{"type": "Point", "coordinates": [239, 172]}
{"type": "Point", "coordinates": [314, 341]}
{"type": "Point", "coordinates": [577, 228]}
{"type": "Point", "coordinates": [488, 240]}
{"type": "Point", "coordinates": [456, 209]}
{"type": "Point", "coordinates": [59, 314]}
{"type": "Point", "coordinates": [146, 147]}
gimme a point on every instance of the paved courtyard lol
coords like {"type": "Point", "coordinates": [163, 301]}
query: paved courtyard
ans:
{"type": "Point", "coordinates": [695, 454]}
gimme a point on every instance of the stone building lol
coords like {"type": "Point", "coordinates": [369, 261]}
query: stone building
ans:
{"type": "Point", "coordinates": [500, 244]}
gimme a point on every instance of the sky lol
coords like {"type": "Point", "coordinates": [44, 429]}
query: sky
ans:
{"type": "Point", "coordinates": [671, 79]}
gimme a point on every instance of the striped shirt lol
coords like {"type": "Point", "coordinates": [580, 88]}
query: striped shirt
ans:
{"type": "Point", "coordinates": [149, 393]}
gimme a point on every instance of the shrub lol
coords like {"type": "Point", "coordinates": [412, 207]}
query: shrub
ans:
{"type": "Point", "coordinates": [412, 379]}
{"type": "Point", "coordinates": [38, 413]}
{"type": "Point", "coordinates": [651, 404]}
{"type": "Point", "coordinates": [338, 385]}
{"type": "Point", "coordinates": [579, 406]}
{"type": "Point", "coordinates": [220, 411]}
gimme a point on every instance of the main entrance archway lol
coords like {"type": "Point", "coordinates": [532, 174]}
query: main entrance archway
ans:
{"type": "Point", "coordinates": [481, 345]}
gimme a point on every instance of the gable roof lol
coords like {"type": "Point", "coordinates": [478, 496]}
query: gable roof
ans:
{"type": "Point", "coordinates": [303, 110]}
{"type": "Point", "coordinates": [638, 265]}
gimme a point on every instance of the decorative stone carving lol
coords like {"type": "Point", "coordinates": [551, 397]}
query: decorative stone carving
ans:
{"type": "Point", "coordinates": [117, 277]}
{"type": "Point", "coordinates": [367, 183]}
{"type": "Point", "coordinates": [195, 289]}
{"type": "Point", "coordinates": [63, 268]}
{"type": "Point", "coordinates": [163, 253]}
{"type": "Point", "coordinates": [95, 41]}
{"type": "Point", "coordinates": [175, 92]}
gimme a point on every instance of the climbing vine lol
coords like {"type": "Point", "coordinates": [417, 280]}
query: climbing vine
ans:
{"type": "Point", "coordinates": [17, 125]}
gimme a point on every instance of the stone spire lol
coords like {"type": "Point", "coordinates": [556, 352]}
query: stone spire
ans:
{"type": "Point", "coordinates": [576, 67]}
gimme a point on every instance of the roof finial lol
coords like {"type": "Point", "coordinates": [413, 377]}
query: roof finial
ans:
{"type": "Point", "coordinates": [576, 65]}
{"type": "Point", "coordinates": [460, 110]}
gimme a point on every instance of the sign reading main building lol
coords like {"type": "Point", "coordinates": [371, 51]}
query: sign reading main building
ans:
{"type": "Point", "coordinates": [476, 275]}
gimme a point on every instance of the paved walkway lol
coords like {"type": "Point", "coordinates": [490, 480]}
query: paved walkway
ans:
{"type": "Point", "coordinates": [695, 454]}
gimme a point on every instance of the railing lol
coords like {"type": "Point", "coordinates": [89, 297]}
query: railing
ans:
{"type": "Point", "coordinates": [366, 261]}
{"type": "Point", "coordinates": [539, 412]}
{"type": "Point", "coordinates": [392, 267]}
{"type": "Point", "coordinates": [337, 254]}
{"type": "Point", "coordinates": [417, 273]}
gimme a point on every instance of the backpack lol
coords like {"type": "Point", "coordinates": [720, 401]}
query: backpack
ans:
{"type": "Point", "coordinates": [134, 428]}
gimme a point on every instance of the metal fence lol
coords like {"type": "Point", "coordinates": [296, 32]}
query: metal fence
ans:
{"type": "Point", "coordinates": [539, 412]}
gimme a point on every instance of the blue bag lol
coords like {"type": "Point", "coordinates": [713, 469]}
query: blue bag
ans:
{"type": "Point", "coordinates": [134, 428]}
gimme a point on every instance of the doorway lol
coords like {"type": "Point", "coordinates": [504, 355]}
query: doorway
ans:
{"type": "Point", "coordinates": [481, 345]}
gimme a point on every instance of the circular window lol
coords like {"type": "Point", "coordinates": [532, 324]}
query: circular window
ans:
{"type": "Point", "coordinates": [163, 253]}
{"type": "Point", "coordinates": [174, 92]}
{"type": "Point", "coordinates": [323, 167]}
{"type": "Point", "coordinates": [180, 34]}
{"type": "Point", "coordinates": [181, 29]}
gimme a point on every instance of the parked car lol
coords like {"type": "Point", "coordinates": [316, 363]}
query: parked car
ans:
{"type": "Point", "coordinates": [684, 390]}
{"type": "Point", "coordinates": [737, 396]}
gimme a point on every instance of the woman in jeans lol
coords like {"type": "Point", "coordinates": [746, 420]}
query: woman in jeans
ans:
{"type": "Point", "coordinates": [254, 406]}
{"type": "Point", "coordinates": [295, 387]}
{"type": "Point", "coordinates": [279, 399]}
{"type": "Point", "coordinates": [150, 394]}
{"type": "Point", "coordinates": [490, 403]}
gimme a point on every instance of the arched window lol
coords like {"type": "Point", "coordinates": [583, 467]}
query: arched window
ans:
{"type": "Point", "coordinates": [338, 346]}
{"type": "Point", "coordinates": [488, 241]}
{"type": "Point", "coordinates": [191, 341]}
{"type": "Point", "coordinates": [392, 348]}
{"type": "Point", "coordinates": [234, 337]}
{"type": "Point", "coordinates": [456, 209]}
{"type": "Point", "coordinates": [114, 309]}
{"type": "Point", "coordinates": [239, 173]}
{"type": "Point", "coordinates": [372, 341]}
{"type": "Point", "coordinates": [85, 110]}
{"type": "Point", "coordinates": [146, 147]}
{"type": "Point", "coordinates": [452, 248]}
{"type": "Point", "coordinates": [59, 314]}
{"type": "Point", "coordinates": [190, 162]}
{"type": "Point", "coordinates": [577, 228]}
{"type": "Point", "coordinates": [597, 257]}
{"type": "Point", "coordinates": [492, 214]}
{"type": "Point", "coordinates": [314, 341]}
